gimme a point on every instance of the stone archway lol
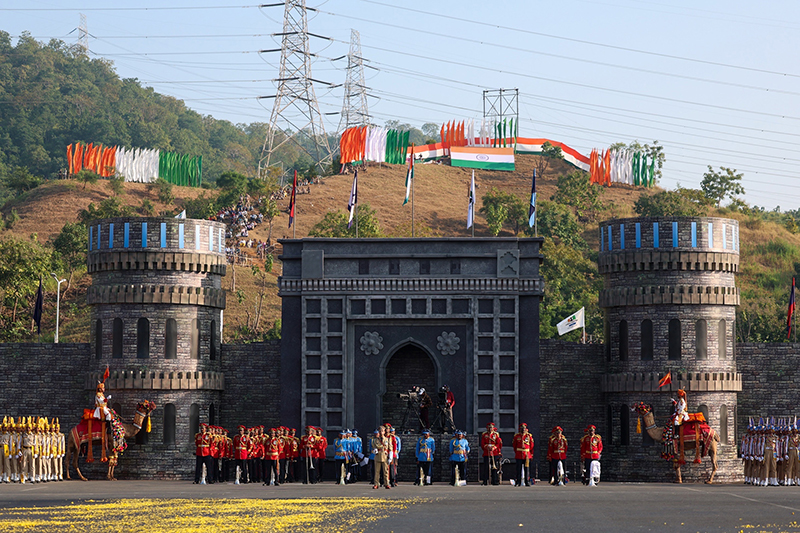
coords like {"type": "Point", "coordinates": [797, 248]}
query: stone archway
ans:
{"type": "Point", "coordinates": [410, 365]}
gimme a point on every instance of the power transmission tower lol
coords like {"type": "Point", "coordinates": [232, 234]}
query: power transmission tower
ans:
{"type": "Point", "coordinates": [295, 114]}
{"type": "Point", "coordinates": [83, 35]}
{"type": "Point", "coordinates": [355, 111]}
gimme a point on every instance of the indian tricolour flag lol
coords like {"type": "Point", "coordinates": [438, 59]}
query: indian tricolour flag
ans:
{"type": "Point", "coordinates": [482, 157]}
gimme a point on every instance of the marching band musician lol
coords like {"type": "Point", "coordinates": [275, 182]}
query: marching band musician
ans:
{"type": "Point", "coordinates": [523, 453]}
{"type": "Point", "coordinates": [492, 446]}
{"type": "Point", "coordinates": [320, 453]}
{"type": "Point", "coordinates": [202, 444]}
{"type": "Point", "coordinates": [241, 446]}
{"type": "Point", "coordinates": [272, 453]}
{"type": "Point", "coordinates": [591, 448]}
{"type": "Point", "coordinates": [307, 443]}
{"type": "Point", "coordinates": [556, 451]}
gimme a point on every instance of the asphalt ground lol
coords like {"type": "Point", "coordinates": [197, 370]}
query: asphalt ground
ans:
{"type": "Point", "coordinates": [440, 508]}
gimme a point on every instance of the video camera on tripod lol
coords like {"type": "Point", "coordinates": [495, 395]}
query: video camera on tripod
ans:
{"type": "Point", "coordinates": [411, 396]}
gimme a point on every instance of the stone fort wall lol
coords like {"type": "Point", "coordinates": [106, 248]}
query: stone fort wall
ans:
{"type": "Point", "coordinates": [49, 380]}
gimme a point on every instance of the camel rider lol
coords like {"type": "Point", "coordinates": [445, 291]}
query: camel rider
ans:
{"type": "Point", "coordinates": [101, 410]}
{"type": "Point", "coordinates": [681, 409]}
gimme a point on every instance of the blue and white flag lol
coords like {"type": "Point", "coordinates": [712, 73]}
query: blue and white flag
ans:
{"type": "Point", "coordinates": [532, 208]}
{"type": "Point", "coordinates": [471, 208]}
{"type": "Point", "coordinates": [351, 205]}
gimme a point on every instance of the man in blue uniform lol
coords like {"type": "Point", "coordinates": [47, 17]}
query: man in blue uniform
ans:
{"type": "Point", "coordinates": [341, 447]}
{"type": "Point", "coordinates": [425, 448]}
{"type": "Point", "coordinates": [459, 451]}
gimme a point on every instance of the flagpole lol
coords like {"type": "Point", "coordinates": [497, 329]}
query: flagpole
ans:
{"type": "Point", "coordinates": [412, 192]}
{"type": "Point", "coordinates": [356, 217]}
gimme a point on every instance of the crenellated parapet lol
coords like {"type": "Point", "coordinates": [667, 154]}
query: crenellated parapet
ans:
{"type": "Point", "coordinates": [688, 381]}
{"type": "Point", "coordinates": [159, 380]}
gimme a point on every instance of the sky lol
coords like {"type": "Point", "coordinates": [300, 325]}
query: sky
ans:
{"type": "Point", "coordinates": [716, 82]}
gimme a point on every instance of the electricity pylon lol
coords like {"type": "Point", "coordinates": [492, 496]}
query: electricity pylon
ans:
{"type": "Point", "coordinates": [295, 114]}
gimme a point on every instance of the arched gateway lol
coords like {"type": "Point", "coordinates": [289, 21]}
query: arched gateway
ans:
{"type": "Point", "coordinates": [409, 366]}
{"type": "Point", "coordinates": [365, 319]}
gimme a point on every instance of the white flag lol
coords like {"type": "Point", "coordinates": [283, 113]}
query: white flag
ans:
{"type": "Point", "coordinates": [574, 321]}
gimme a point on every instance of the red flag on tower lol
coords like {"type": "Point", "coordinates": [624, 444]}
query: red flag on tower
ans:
{"type": "Point", "coordinates": [666, 380]}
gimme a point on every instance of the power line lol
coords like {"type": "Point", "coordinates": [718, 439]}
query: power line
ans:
{"type": "Point", "coordinates": [569, 58]}
{"type": "Point", "coordinates": [449, 16]}
{"type": "Point", "coordinates": [160, 8]}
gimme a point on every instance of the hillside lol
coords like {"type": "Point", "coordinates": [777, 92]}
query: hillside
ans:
{"type": "Point", "coordinates": [770, 252]}
{"type": "Point", "coordinates": [440, 202]}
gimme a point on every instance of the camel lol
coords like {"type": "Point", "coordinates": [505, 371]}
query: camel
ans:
{"type": "Point", "coordinates": [656, 433]}
{"type": "Point", "coordinates": [78, 436]}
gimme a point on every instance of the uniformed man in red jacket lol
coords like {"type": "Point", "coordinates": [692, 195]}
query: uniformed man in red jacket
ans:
{"type": "Point", "coordinates": [294, 468]}
{"type": "Point", "coordinates": [216, 450]}
{"type": "Point", "coordinates": [591, 449]}
{"type": "Point", "coordinates": [320, 453]}
{"type": "Point", "coordinates": [307, 443]}
{"type": "Point", "coordinates": [523, 453]}
{"type": "Point", "coordinates": [556, 451]}
{"type": "Point", "coordinates": [272, 452]}
{"type": "Point", "coordinates": [241, 447]}
{"type": "Point", "coordinates": [492, 446]}
{"type": "Point", "coordinates": [202, 442]}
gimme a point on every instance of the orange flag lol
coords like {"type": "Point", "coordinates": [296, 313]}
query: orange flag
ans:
{"type": "Point", "coordinates": [78, 164]}
{"type": "Point", "coordinates": [666, 380]}
{"type": "Point", "coordinates": [70, 163]}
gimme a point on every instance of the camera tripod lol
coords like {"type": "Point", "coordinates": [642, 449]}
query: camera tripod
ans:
{"type": "Point", "coordinates": [443, 419]}
{"type": "Point", "coordinates": [411, 416]}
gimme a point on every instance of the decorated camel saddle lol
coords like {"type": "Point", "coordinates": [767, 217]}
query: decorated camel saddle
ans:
{"type": "Point", "coordinates": [694, 431]}
{"type": "Point", "coordinates": [95, 429]}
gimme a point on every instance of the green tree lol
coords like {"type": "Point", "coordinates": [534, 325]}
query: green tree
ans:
{"type": "Point", "coordinates": [70, 248]}
{"type": "Point", "coordinates": [233, 181]}
{"type": "Point", "coordinates": [21, 180]}
{"type": "Point", "coordinates": [576, 190]}
{"type": "Point", "coordinates": [108, 208]}
{"type": "Point", "coordinates": [432, 132]}
{"type": "Point", "coordinates": [273, 333]}
{"type": "Point", "coordinates": [117, 185]}
{"type": "Point", "coordinates": [667, 204]}
{"type": "Point", "coordinates": [163, 190]}
{"type": "Point", "coordinates": [558, 222]}
{"type": "Point", "coordinates": [495, 210]}
{"type": "Point", "coordinates": [334, 224]}
{"type": "Point", "coordinates": [86, 177]}
{"type": "Point", "coordinates": [571, 281]}
{"type": "Point", "coordinates": [548, 154]}
{"type": "Point", "coordinates": [22, 265]}
{"type": "Point", "coordinates": [147, 208]}
{"type": "Point", "coordinates": [270, 210]}
{"type": "Point", "coordinates": [202, 207]}
{"type": "Point", "coordinates": [723, 184]}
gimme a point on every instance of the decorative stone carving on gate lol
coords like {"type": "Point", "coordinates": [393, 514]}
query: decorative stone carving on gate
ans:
{"type": "Point", "coordinates": [448, 343]}
{"type": "Point", "coordinates": [371, 343]}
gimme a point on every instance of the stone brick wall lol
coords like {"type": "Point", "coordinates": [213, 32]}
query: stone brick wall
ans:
{"type": "Point", "coordinates": [770, 374]}
{"type": "Point", "coordinates": [252, 393]}
{"type": "Point", "coordinates": [571, 396]}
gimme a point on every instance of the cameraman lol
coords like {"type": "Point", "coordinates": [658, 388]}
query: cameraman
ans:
{"type": "Point", "coordinates": [425, 403]}
{"type": "Point", "coordinates": [449, 402]}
